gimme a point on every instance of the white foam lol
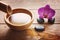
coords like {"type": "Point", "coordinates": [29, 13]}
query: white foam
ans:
{"type": "Point", "coordinates": [21, 18]}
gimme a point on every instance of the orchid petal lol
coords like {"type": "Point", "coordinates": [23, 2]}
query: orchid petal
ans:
{"type": "Point", "coordinates": [46, 12]}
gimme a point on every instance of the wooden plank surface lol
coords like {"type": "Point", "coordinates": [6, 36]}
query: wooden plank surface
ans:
{"type": "Point", "coordinates": [52, 32]}
{"type": "Point", "coordinates": [35, 16]}
{"type": "Point", "coordinates": [32, 4]}
{"type": "Point", "coordinates": [7, 34]}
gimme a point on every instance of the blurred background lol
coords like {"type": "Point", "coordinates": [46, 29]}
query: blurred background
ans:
{"type": "Point", "coordinates": [32, 6]}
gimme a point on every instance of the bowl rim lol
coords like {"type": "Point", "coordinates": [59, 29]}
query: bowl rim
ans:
{"type": "Point", "coordinates": [5, 18]}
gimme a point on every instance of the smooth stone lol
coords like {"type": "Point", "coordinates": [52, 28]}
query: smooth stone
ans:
{"type": "Point", "coordinates": [40, 28]}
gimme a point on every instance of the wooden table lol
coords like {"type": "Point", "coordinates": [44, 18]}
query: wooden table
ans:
{"type": "Point", "coordinates": [52, 32]}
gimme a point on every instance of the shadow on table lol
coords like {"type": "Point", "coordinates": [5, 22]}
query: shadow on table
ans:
{"type": "Point", "coordinates": [19, 35]}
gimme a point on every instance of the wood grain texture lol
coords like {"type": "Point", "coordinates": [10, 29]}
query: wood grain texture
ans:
{"type": "Point", "coordinates": [52, 32]}
{"type": "Point", "coordinates": [7, 34]}
{"type": "Point", "coordinates": [35, 16]}
{"type": "Point", "coordinates": [32, 4]}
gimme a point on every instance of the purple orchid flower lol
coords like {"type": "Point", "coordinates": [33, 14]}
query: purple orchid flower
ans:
{"type": "Point", "coordinates": [46, 12]}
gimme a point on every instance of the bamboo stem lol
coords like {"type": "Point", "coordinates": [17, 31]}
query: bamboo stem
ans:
{"type": "Point", "coordinates": [5, 8]}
